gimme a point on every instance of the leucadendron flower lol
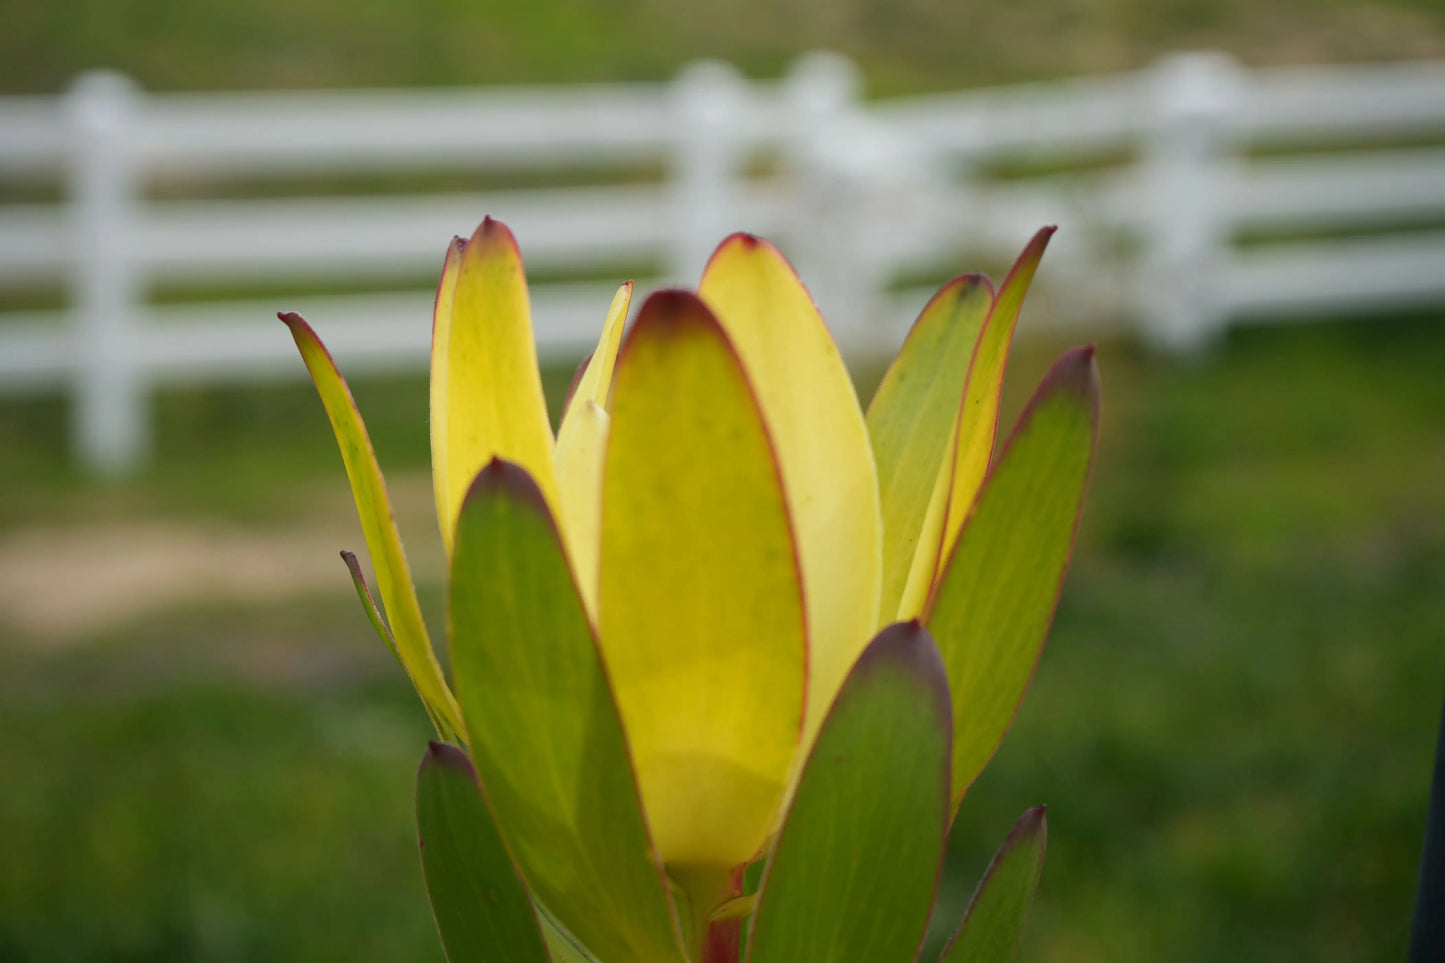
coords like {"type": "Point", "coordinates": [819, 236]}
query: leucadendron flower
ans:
{"type": "Point", "coordinates": [722, 616]}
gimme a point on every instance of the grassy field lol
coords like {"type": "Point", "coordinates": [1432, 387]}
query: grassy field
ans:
{"type": "Point", "coordinates": [903, 45]}
{"type": "Point", "coordinates": [1233, 724]}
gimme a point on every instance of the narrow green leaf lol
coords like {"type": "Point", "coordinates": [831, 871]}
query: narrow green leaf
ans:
{"type": "Point", "coordinates": [852, 875]}
{"type": "Point", "coordinates": [482, 910]}
{"type": "Point", "coordinates": [911, 420]}
{"type": "Point", "coordinates": [992, 606]}
{"type": "Point", "coordinates": [546, 738]}
{"type": "Point", "coordinates": [373, 615]}
{"type": "Point", "coordinates": [994, 924]}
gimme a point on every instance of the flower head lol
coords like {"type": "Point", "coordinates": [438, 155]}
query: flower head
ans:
{"type": "Point", "coordinates": [673, 618]}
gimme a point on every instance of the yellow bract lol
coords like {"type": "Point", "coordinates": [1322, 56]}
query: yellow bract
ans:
{"type": "Point", "coordinates": [978, 415]}
{"type": "Point", "coordinates": [700, 604]}
{"type": "Point", "coordinates": [440, 402]}
{"type": "Point", "coordinates": [595, 383]}
{"type": "Point", "coordinates": [489, 400]}
{"type": "Point", "coordinates": [812, 410]}
{"type": "Point", "coordinates": [581, 443]}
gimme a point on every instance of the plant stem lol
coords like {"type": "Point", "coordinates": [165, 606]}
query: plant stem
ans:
{"type": "Point", "coordinates": [723, 942]}
{"type": "Point", "coordinates": [706, 889]}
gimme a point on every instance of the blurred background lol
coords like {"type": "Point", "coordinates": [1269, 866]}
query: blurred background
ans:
{"type": "Point", "coordinates": [206, 755]}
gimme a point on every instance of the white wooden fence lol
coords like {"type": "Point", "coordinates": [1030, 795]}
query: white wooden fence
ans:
{"type": "Point", "coordinates": [1335, 176]}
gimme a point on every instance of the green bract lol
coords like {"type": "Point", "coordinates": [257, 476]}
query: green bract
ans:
{"type": "Point", "coordinates": [722, 619]}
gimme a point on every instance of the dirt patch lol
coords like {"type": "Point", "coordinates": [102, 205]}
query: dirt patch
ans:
{"type": "Point", "coordinates": [63, 584]}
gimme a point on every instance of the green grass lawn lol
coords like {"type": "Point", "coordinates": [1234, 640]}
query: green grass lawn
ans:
{"type": "Point", "coordinates": [903, 46]}
{"type": "Point", "coordinates": [1232, 726]}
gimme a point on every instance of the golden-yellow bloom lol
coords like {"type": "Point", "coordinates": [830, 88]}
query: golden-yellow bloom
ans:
{"type": "Point", "coordinates": [734, 530]}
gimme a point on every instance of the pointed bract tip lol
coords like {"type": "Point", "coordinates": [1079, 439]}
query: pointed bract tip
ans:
{"type": "Point", "coordinates": [747, 243]}
{"type": "Point", "coordinates": [447, 756]}
{"type": "Point", "coordinates": [671, 300]}
{"type": "Point", "coordinates": [351, 562]}
{"type": "Point", "coordinates": [456, 249]}
{"type": "Point", "coordinates": [955, 289]}
{"type": "Point", "coordinates": [1032, 820]}
{"type": "Point", "coordinates": [961, 283]}
{"type": "Point", "coordinates": [507, 478]}
{"type": "Point", "coordinates": [1033, 824]}
{"type": "Point", "coordinates": [904, 641]}
{"type": "Point", "coordinates": [303, 332]}
{"type": "Point", "coordinates": [1076, 372]}
{"type": "Point", "coordinates": [958, 287]}
{"type": "Point", "coordinates": [1028, 260]}
{"type": "Point", "coordinates": [491, 233]}
{"type": "Point", "coordinates": [1033, 251]}
{"type": "Point", "coordinates": [909, 646]}
{"type": "Point", "coordinates": [743, 239]}
{"type": "Point", "coordinates": [671, 308]}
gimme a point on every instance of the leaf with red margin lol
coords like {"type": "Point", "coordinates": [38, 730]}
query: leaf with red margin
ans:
{"type": "Point", "coordinates": [700, 598]}
{"type": "Point", "coordinates": [486, 397]}
{"type": "Point", "coordinates": [911, 423]}
{"type": "Point", "coordinates": [821, 438]}
{"type": "Point", "coordinates": [853, 873]}
{"type": "Point", "coordinates": [993, 603]}
{"type": "Point", "coordinates": [482, 910]}
{"type": "Point", "coordinates": [547, 740]}
{"type": "Point", "coordinates": [368, 489]}
{"type": "Point", "coordinates": [994, 924]}
{"type": "Point", "coordinates": [977, 424]}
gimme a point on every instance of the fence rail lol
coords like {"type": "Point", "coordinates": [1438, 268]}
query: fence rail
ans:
{"type": "Point", "coordinates": [1190, 194]}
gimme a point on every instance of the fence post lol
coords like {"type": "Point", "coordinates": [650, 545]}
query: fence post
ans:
{"type": "Point", "coordinates": [1186, 231]}
{"type": "Point", "coordinates": [109, 417]}
{"type": "Point", "coordinates": [709, 97]}
{"type": "Point", "coordinates": [825, 150]}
